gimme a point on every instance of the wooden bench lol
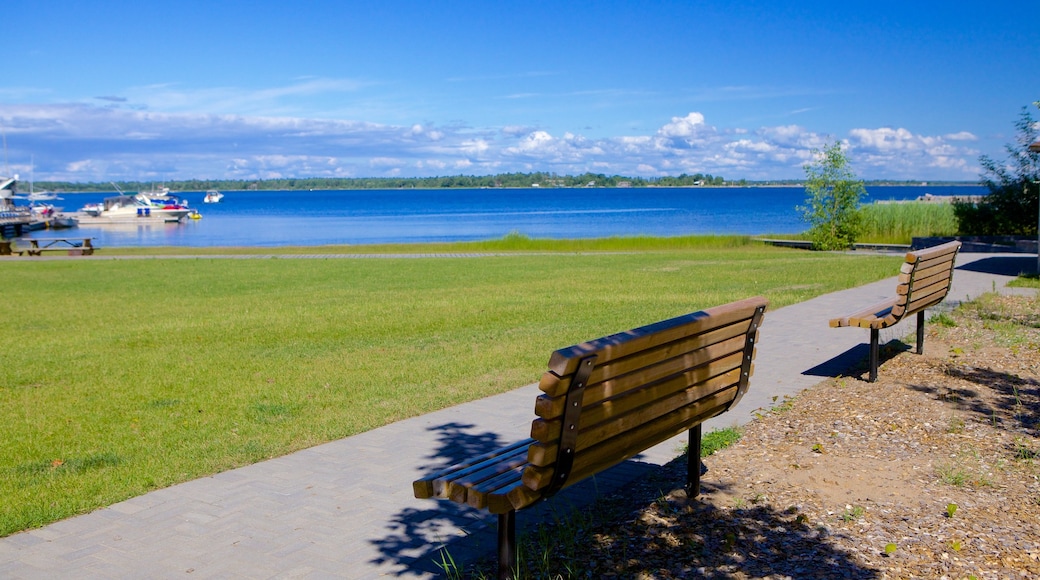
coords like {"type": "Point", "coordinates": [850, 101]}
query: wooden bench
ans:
{"type": "Point", "coordinates": [71, 246]}
{"type": "Point", "coordinates": [924, 280]}
{"type": "Point", "coordinates": [605, 401]}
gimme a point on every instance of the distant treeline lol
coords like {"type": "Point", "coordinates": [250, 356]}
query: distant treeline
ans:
{"type": "Point", "coordinates": [514, 180]}
{"type": "Point", "coordinates": [537, 179]}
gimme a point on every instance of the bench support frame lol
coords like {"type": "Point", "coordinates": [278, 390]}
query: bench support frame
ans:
{"type": "Point", "coordinates": [875, 348]}
{"type": "Point", "coordinates": [507, 522]}
{"type": "Point", "coordinates": [507, 545]}
{"type": "Point", "coordinates": [693, 463]}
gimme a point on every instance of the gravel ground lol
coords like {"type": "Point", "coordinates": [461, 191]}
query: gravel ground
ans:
{"type": "Point", "coordinates": [931, 472]}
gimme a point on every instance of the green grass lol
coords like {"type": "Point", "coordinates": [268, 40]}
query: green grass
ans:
{"type": "Point", "coordinates": [123, 376]}
{"type": "Point", "coordinates": [1026, 281]}
{"type": "Point", "coordinates": [719, 439]}
{"type": "Point", "coordinates": [511, 243]}
{"type": "Point", "coordinates": [898, 223]}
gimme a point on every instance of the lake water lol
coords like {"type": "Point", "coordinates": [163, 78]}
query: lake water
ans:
{"type": "Point", "coordinates": [311, 218]}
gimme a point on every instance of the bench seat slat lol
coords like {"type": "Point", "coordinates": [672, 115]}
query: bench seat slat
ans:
{"type": "Point", "coordinates": [479, 495]}
{"type": "Point", "coordinates": [432, 485]}
{"type": "Point", "coordinates": [877, 310]}
{"type": "Point", "coordinates": [456, 486]}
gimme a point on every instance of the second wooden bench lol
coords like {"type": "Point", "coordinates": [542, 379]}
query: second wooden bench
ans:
{"type": "Point", "coordinates": [924, 279]}
{"type": "Point", "coordinates": [605, 401]}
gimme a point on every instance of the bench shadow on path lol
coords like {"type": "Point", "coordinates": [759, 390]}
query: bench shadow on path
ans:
{"type": "Point", "coordinates": [426, 533]}
{"type": "Point", "coordinates": [855, 361]}
{"type": "Point", "coordinates": [1003, 265]}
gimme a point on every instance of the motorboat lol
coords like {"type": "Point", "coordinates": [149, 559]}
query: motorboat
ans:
{"type": "Point", "coordinates": [158, 193]}
{"type": "Point", "coordinates": [213, 196]}
{"type": "Point", "coordinates": [138, 207]}
{"type": "Point", "coordinates": [7, 191]}
{"type": "Point", "coordinates": [46, 215]}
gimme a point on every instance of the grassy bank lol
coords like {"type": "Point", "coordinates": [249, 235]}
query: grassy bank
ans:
{"type": "Point", "coordinates": [123, 376]}
{"type": "Point", "coordinates": [512, 243]}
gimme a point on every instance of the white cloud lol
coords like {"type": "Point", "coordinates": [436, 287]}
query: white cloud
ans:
{"type": "Point", "coordinates": [535, 142]}
{"type": "Point", "coordinates": [116, 143]}
{"type": "Point", "coordinates": [962, 136]}
{"type": "Point", "coordinates": [683, 126]}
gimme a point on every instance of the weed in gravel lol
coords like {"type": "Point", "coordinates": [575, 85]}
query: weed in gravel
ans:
{"type": "Point", "coordinates": [852, 513]}
{"type": "Point", "coordinates": [952, 474]}
{"type": "Point", "coordinates": [943, 319]}
{"type": "Point", "coordinates": [1023, 452]}
{"type": "Point", "coordinates": [785, 404]}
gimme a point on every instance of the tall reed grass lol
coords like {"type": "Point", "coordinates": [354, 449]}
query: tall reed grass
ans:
{"type": "Point", "coordinates": [898, 223]}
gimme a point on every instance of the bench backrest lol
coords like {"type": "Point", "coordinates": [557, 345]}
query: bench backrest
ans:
{"type": "Point", "coordinates": [924, 279]}
{"type": "Point", "coordinates": [607, 400]}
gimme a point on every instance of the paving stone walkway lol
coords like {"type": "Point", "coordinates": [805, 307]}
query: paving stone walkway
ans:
{"type": "Point", "coordinates": [345, 509]}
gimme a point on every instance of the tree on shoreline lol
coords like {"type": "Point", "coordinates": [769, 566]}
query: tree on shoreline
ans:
{"type": "Point", "coordinates": [1011, 208]}
{"type": "Point", "coordinates": [833, 194]}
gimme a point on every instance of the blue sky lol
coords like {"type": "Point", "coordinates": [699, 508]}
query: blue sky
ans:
{"type": "Point", "coordinates": [109, 91]}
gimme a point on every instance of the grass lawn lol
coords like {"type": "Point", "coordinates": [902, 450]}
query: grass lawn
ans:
{"type": "Point", "coordinates": [122, 376]}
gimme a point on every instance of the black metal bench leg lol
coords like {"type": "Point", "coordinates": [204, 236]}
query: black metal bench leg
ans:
{"type": "Point", "coordinates": [874, 339]}
{"type": "Point", "coordinates": [507, 545]}
{"type": "Point", "coordinates": [693, 463]}
{"type": "Point", "coordinates": [920, 332]}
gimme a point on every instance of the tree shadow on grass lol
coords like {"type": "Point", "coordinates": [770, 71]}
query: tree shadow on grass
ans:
{"type": "Point", "coordinates": [569, 535]}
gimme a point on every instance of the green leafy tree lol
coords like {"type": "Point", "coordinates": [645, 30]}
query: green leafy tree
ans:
{"type": "Point", "coordinates": [833, 196]}
{"type": "Point", "coordinates": [1014, 192]}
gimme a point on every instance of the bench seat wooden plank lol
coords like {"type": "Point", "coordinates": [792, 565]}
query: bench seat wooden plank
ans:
{"type": "Point", "coordinates": [480, 494]}
{"type": "Point", "coordinates": [880, 309]}
{"type": "Point", "coordinates": [433, 485]}
{"type": "Point", "coordinates": [456, 487]}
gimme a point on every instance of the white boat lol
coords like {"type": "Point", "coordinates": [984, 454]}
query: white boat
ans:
{"type": "Point", "coordinates": [138, 207]}
{"type": "Point", "coordinates": [161, 192]}
{"type": "Point", "coordinates": [213, 196]}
